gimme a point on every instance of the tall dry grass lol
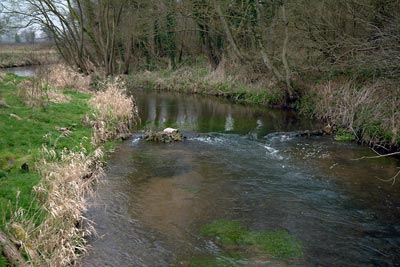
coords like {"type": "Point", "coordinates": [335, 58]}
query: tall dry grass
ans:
{"type": "Point", "coordinates": [370, 111]}
{"type": "Point", "coordinates": [62, 76]}
{"type": "Point", "coordinates": [114, 113]}
{"type": "Point", "coordinates": [36, 92]}
{"type": "Point", "coordinates": [62, 192]}
{"type": "Point", "coordinates": [59, 239]}
{"type": "Point", "coordinates": [47, 86]}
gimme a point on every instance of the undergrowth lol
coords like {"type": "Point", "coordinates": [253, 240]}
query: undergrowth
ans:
{"type": "Point", "coordinates": [366, 112]}
{"type": "Point", "coordinates": [197, 80]}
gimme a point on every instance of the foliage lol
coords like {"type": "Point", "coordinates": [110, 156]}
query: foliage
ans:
{"type": "Point", "coordinates": [343, 135]}
{"type": "Point", "coordinates": [3, 262]}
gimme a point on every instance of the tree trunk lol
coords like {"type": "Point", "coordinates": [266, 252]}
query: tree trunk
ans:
{"type": "Point", "coordinates": [291, 93]}
{"type": "Point", "coordinates": [227, 31]}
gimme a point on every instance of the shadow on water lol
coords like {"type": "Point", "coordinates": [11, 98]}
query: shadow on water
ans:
{"type": "Point", "coordinates": [151, 208]}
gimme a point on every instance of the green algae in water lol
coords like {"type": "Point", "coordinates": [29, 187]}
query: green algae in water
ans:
{"type": "Point", "coordinates": [279, 244]}
{"type": "Point", "coordinates": [225, 232]}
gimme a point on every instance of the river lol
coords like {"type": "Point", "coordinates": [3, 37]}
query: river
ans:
{"type": "Point", "coordinates": [26, 71]}
{"type": "Point", "coordinates": [241, 163]}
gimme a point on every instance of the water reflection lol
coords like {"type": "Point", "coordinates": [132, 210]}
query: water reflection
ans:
{"type": "Point", "coordinates": [195, 113]}
{"type": "Point", "coordinates": [28, 71]}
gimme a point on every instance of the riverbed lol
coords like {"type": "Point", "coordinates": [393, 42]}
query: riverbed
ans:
{"type": "Point", "coordinates": [242, 164]}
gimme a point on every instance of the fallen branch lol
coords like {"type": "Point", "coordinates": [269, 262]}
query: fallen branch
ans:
{"type": "Point", "coordinates": [393, 179]}
{"type": "Point", "coordinates": [379, 155]}
{"type": "Point", "coordinates": [11, 252]}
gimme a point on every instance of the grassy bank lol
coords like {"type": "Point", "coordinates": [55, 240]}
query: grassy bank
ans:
{"type": "Point", "coordinates": [51, 152]}
{"type": "Point", "coordinates": [361, 109]}
{"type": "Point", "coordinates": [27, 55]}
{"type": "Point", "coordinates": [197, 79]}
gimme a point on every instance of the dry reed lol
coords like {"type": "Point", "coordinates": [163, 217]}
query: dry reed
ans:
{"type": "Point", "coordinates": [370, 111]}
{"type": "Point", "coordinates": [57, 241]}
{"type": "Point", "coordinates": [114, 113]}
{"type": "Point", "coordinates": [67, 180]}
{"type": "Point", "coordinates": [62, 76]}
{"type": "Point", "coordinates": [36, 92]}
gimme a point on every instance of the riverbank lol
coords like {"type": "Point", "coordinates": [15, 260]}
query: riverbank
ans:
{"type": "Point", "coordinates": [353, 108]}
{"type": "Point", "coordinates": [27, 55]}
{"type": "Point", "coordinates": [54, 138]}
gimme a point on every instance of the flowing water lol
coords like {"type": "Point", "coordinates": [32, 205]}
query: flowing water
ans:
{"type": "Point", "coordinates": [244, 164]}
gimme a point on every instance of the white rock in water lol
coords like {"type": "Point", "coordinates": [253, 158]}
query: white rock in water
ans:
{"type": "Point", "coordinates": [170, 130]}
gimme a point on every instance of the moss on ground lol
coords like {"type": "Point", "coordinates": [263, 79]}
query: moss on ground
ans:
{"type": "Point", "coordinates": [231, 234]}
{"type": "Point", "coordinates": [22, 138]}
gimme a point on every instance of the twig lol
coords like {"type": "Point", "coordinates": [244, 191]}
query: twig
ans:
{"type": "Point", "coordinates": [354, 132]}
{"type": "Point", "coordinates": [393, 179]}
{"type": "Point", "coordinates": [379, 155]}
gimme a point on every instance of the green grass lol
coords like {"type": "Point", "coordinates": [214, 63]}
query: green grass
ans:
{"type": "Point", "coordinates": [231, 234]}
{"type": "Point", "coordinates": [21, 142]}
{"type": "Point", "coordinates": [343, 135]}
{"type": "Point", "coordinates": [3, 262]}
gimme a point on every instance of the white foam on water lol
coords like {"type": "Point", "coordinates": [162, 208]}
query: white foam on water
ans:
{"type": "Point", "coordinates": [273, 152]}
{"type": "Point", "coordinates": [210, 140]}
{"type": "Point", "coordinates": [135, 140]}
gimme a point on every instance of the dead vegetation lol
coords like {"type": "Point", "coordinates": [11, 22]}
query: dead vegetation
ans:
{"type": "Point", "coordinates": [114, 113]}
{"type": "Point", "coordinates": [361, 109]}
{"type": "Point", "coordinates": [53, 235]}
{"type": "Point", "coordinates": [62, 76]}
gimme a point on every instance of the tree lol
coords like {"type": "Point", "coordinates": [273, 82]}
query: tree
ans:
{"type": "Point", "coordinates": [29, 36]}
{"type": "Point", "coordinates": [17, 38]}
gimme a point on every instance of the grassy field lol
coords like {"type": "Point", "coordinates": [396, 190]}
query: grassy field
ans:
{"type": "Point", "coordinates": [23, 130]}
{"type": "Point", "coordinates": [26, 55]}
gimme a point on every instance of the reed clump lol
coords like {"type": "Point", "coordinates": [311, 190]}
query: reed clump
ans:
{"type": "Point", "coordinates": [114, 113]}
{"type": "Point", "coordinates": [361, 110]}
{"type": "Point", "coordinates": [62, 76]}
{"type": "Point", "coordinates": [36, 92]}
{"type": "Point", "coordinates": [65, 184]}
